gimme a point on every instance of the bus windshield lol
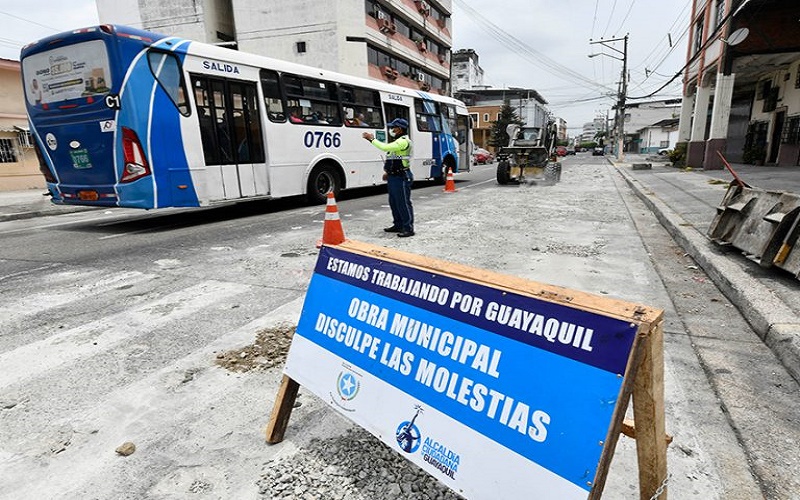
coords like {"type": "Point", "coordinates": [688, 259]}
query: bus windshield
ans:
{"type": "Point", "coordinates": [64, 73]}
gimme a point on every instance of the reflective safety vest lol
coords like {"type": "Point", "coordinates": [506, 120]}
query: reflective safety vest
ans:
{"type": "Point", "coordinates": [397, 161]}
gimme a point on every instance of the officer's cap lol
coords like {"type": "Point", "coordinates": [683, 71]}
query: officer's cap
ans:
{"type": "Point", "coordinates": [399, 122]}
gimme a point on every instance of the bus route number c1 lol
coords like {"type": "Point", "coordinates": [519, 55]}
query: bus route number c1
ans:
{"type": "Point", "coordinates": [113, 101]}
{"type": "Point", "coordinates": [317, 138]}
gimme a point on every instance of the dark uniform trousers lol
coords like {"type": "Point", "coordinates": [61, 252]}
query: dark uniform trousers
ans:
{"type": "Point", "coordinates": [399, 186]}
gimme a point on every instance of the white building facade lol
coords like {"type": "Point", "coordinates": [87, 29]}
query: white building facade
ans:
{"type": "Point", "coordinates": [466, 72]}
{"type": "Point", "coordinates": [404, 42]}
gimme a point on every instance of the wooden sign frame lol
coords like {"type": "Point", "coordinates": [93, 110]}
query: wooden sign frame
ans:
{"type": "Point", "coordinates": [643, 378]}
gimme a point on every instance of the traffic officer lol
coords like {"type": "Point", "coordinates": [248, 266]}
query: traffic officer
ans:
{"type": "Point", "coordinates": [397, 174]}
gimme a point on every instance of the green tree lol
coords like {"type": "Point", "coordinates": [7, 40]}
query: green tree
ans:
{"type": "Point", "coordinates": [499, 137]}
{"type": "Point", "coordinates": [600, 137]}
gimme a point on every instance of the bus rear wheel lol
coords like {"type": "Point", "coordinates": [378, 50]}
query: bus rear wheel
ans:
{"type": "Point", "coordinates": [323, 178]}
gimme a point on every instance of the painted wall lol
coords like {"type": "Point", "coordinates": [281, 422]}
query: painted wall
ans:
{"type": "Point", "coordinates": [119, 12]}
{"type": "Point", "coordinates": [24, 172]}
{"type": "Point", "coordinates": [655, 138]}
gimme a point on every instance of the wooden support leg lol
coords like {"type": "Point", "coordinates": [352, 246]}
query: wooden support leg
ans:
{"type": "Point", "coordinates": [648, 411]}
{"type": "Point", "coordinates": [284, 402]}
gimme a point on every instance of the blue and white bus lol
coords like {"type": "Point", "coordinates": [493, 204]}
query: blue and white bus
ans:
{"type": "Point", "coordinates": [129, 118]}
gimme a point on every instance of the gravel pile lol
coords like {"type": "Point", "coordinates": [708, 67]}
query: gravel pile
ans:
{"type": "Point", "coordinates": [354, 466]}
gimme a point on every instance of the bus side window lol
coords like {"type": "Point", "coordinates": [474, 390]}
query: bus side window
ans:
{"type": "Point", "coordinates": [273, 100]}
{"type": "Point", "coordinates": [318, 99]}
{"type": "Point", "coordinates": [166, 70]}
{"type": "Point", "coordinates": [362, 107]}
{"type": "Point", "coordinates": [427, 114]}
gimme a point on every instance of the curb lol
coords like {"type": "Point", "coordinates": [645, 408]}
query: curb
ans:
{"type": "Point", "coordinates": [774, 322]}
{"type": "Point", "coordinates": [42, 213]}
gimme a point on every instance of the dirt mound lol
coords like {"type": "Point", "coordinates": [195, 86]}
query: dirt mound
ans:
{"type": "Point", "coordinates": [268, 350]}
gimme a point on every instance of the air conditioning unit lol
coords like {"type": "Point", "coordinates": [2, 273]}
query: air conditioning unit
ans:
{"type": "Point", "coordinates": [423, 7]}
{"type": "Point", "coordinates": [381, 14]}
{"type": "Point", "coordinates": [420, 77]}
{"type": "Point", "coordinates": [389, 72]}
{"type": "Point", "coordinates": [386, 26]}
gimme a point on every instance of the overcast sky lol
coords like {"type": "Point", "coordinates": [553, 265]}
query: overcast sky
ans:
{"type": "Point", "coordinates": [537, 44]}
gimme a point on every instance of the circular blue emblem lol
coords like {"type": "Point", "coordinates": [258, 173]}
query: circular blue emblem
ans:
{"type": "Point", "coordinates": [347, 386]}
{"type": "Point", "coordinates": [407, 436]}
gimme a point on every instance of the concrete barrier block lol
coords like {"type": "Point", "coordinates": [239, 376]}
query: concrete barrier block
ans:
{"type": "Point", "coordinates": [642, 166]}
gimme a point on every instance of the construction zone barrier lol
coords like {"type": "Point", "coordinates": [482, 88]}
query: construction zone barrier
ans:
{"type": "Point", "coordinates": [332, 232]}
{"type": "Point", "coordinates": [762, 224]}
{"type": "Point", "coordinates": [450, 184]}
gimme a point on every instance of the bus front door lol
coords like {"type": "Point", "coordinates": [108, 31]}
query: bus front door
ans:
{"type": "Point", "coordinates": [248, 140]}
{"type": "Point", "coordinates": [232, 139]}
{"type": "Point", "coordinates": [396, 111]}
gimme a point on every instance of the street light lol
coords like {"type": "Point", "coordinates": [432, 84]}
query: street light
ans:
{"type": "Point", "coordinates": [604, 54]}
{"type": "Point", "coordinates": [623, 88]}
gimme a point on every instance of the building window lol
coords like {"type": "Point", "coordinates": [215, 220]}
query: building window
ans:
{"type": "Point", "coordinates": [7, 153]}
{"type": "Point", "coordinates": [771, 101]}
{"type": "Point", "coordinates": [474, 119]}
{"type": "Point", "coordinates": [486, 117]}
{"type": "Point", "coordinates": [698, 35]}
{"type": "Point", "coordinates": [25, 139]}
{"type": "Point", "coordinates": [719, 13]}
{"type": "Point", "coordinates": [402, 27]}
{"type": "Point", "coordinates": [301, 47]}
{"type": "Point", "coordinates": [791, 132]}
{"type": "Point", "coordinates": [797, 79]}
{"type": "Point", "coordinates": [765, 89]}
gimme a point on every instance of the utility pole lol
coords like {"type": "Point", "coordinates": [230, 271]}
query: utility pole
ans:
{"type": "Point", "coordinates": [623, 88]}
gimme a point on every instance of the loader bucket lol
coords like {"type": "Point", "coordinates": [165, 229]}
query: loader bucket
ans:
{"type": "Point", "coordinates": [762, 224]}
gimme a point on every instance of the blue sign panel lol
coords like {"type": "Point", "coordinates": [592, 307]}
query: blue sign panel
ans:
{"type": "Point", "coordinates": [538, 378]}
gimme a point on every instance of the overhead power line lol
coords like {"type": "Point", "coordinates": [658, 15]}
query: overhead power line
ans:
{"type": "Point", "coordinates": [29, 21]}
{"type": "Point", "coordinates": [528, 53]}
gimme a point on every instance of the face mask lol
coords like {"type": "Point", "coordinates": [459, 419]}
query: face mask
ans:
{"type": "Point", "coordinates": [392, 133]}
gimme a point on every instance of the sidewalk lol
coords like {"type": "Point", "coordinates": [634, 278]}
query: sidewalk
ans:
{"type": "Point", "coordinates": [30, 203]}
{"type": "Point", "coordinates": [685, 203]}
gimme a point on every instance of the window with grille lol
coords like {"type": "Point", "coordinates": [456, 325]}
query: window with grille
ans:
{"type": "Point", "coordinates": [719, 13]}
{"type": "Point", "coordinates": [7, 152]}
{"type": "Point", "coordinates": [698, 35]}
{"type": "Point", "coordinates": [25, 139]}
{"type": "Point", "coordinates": [791, 132]}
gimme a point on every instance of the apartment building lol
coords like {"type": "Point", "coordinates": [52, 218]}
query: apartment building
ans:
{"type": "Point", "coordinates": [466, 71]}
{"type": "Point", "coordinates": [404, 42]}
{"type": "Point", "coordinates": [742, 83]}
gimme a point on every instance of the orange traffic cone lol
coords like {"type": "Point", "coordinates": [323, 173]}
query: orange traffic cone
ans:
{"type": "Point", "coordinates": [332, 232]}
{"type": "Point", "coordinates": [450, 185]}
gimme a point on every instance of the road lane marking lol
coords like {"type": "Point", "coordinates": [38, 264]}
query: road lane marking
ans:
{"type": "Point", "coordinates": [94, 338]}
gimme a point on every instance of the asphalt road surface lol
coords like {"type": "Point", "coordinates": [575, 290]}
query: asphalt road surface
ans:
{"type": "Point", "coordinates": [124, 326]}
